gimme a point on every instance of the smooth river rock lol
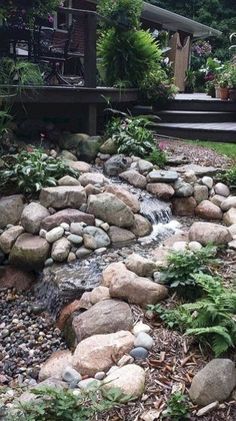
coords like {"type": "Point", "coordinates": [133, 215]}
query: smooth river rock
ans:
{"type": "Point", "coordinates": [29, 251]}
{"type": "Point", "coordinates": [55, 365]}
{"type": "Point", "coordinates": [207, 232]}
{"type": "Point", "coordinates": [207, 210]}
{"type": "Point", "coordinates": [162, 191]}
{"type": "Point", "coordinates": [32, 217]}
{"type": "Point", "coordinates": [134, 178]}
{"type": "Point", "coordinates": [130, 379]}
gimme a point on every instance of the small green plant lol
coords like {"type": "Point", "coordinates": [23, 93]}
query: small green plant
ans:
{"type": "Point", "coordinates": [28, 172]}
{"type": "Point", "coordinates": [54, 404]}
{"type": "Point", "coordinates": [157, 157]}
{"type": "Point", "coordinates": [230, 176]}
{"type": "Point", "coordinates": [177, 408]}
{"type": "Point", "coordinates": [181, 268]}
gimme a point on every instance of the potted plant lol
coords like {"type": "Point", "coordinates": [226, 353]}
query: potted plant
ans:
{"type": "Point", "coordinates": [224, 86]}
{"type": "Point", "coordinates": [232, 82]}
{"type": "Point", "coordinates": [190, 78]}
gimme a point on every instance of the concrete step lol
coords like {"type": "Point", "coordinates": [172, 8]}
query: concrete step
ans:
{"type": "Point", "coordinates": [202, 105]}
{"type": "Point", "coordinates": [218, 132]}
{"type": "Point", "coordinates": [177, 116]}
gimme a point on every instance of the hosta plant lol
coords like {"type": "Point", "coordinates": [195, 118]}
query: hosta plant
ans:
{"type": "Point", "coordinates": [28, 172]}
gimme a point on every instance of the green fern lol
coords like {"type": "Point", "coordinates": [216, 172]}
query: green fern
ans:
{"type": "Point", "coordinates": [218, 338]}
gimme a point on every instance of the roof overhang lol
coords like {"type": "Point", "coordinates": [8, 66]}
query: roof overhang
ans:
{"type": "Point", "coordinates": [174, 22]}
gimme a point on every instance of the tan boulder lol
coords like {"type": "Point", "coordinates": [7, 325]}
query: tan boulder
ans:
{"type": "Point", "coordinates": [230, 217]}
{"type": "Point", "coordinates": [228, 203]}
{"type": "Point", "coordinates": [98, 294]}
{"type": "Point", "coordinates": [120, 237]}
{"type": "Point", "coordinates": [217, 200]}
{"type": "Point", "coordinates": [162, 191]}
{"type": "Point", "coordinates": [18, 279]}
{"type": "Point", "coordinates": [55, 365]}
{"type": "Point", "coordinates": [62, 197]}
{"type": "Point", "coordinates": [11, 208]}
{"type": "Point", "coordinates": [184, 206]}
{"type": "Point", "coordinates": [134, 178]}
{"type": "Point", "coordinates": [130, 379]}
{"type": "Point", "coordinates": [29, 251]}
{"type": "Point", "coordinates": [32, 216]}
{"type": "Point", "coordinates": [141, 227]}
{"type": "Point", "coordinates": [207, 232]}
{"type": "Point", "coordinates": [69, 216]}
{"type": "Point", "coordinates": [128, 198]}
{"type": "Point", "coordinates": [140, 265]}
{"type": "Point", "coordinates": [8, 238]}
{"type": "Point", "coordinates": [79, 166]}
{"type": "Point", "coordinates": [100, 352]}
{"type": "Point", "coordinates": [207, 210]}
{"type": "Point", "coordinates": [115, 271]}
{"type": "Point", "coordinates": [93, 178]}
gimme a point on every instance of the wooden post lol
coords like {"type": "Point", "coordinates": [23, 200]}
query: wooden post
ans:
{"type": "Point", "coordinates": [90, 59]}
{"type": "Point", "coordinates": [92, 120]}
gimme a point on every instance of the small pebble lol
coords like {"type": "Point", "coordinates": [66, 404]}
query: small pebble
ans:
{"type": "Point", "coordinates": [144, 340]}
{"type": "Point", "coordinates": [139, 353]}
{"type": "Point", "coordinates": [100, 375]}
{"type": "Point", "coordinates": [140, 327]}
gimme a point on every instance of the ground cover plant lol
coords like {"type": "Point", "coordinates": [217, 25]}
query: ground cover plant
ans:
{"type": "Point", "coordinates": [29, 171]}
{"type": "Point", "coordinates": [177, 408]}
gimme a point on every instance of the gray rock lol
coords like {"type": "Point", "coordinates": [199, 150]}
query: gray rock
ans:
{"type": "Point", "coordinates": [228, 203]}
{"type": "Point", "coordinates": [32, 216]}
{"type": "Point", "coordinates": [60, 250]}
{"type": "Point", "coordinates": [67, 155]}
{"type": "Point", "coordinates": [67, 180]}
{"type": "Point", "coordinates": [8, 238]}
{"type": "Point", "coordinates": [144, 340]}
{"type": "Point", "coordinates": [222, 189]}
{"type": "Point", "coordinates": [62, 197]}
{"type": "Point", "coordinates": [109, 147]}
{"type": "Point", "coordinates": [90, 383]}
{"type": "Point", "coordinates": [139, 353]}
{"type": "Point", "coordinates": [49, 262]}
{"type": "Point", "coordinates": [65, 226]}
{"type": "Point", "coordinates": [76, 228]}
{"type": "Point", "coordinates": [29, 251]}
{"type": "Point", "coordinates": [134, 178]}
{"type": "Point", "coordinates": [162, 176]}
{"type": "Point", "coordinates": [116, 164]}
{"type": "Point", "coordinates": [75, 239]}
{"type": "Point", "coordinates": [82, 252]}
{"type": "Point", "coordinates": [11, 208]}
{"type": "Point", "coordinates": [120, 237]}
{"type": "Point", "coordinates": [71, 376]}
{"type": "Point", "coordinates": [208, 181]}
{"type": "Point", "coordinates": [95, 238]}
{"type": "Point", "coordinates": [100, 375]}
{"type": "Point", "coordinates": [54, 234]}
{"type": "Point", "coordinates": [183, 189]}
{"type": "Point", "coordinates": [200, 193]}
{"type": "Point", "coordinates": [214, 382]}
{"type": "Point", "coordinates": [144, 166]}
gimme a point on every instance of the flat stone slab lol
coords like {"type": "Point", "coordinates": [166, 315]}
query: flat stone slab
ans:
{"type": "Point", "coordinates": [198, 169]}
{"type": "Point", "coordinates": [164, 176]}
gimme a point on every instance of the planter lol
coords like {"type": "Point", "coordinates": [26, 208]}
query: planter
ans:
{"type": "Point", "coordinates": [224, 94]}
{"type": "Point", "coordinates": [217, 89]}
{"type": "Point", "coordinates": [232, 94]}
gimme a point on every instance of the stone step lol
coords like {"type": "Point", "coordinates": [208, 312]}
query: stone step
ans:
{"type": "Point", "coordinates": [195, 104]}
{"type": "Point", "coordinates": [219, 132]}
{"type": "Point", "coordinates": [179, 116]}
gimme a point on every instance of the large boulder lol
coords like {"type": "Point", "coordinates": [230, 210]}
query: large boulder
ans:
{"type": "Point", "coordinates": [228, 203]}
{"type": "Point", "coordinates": [183, 189]}
{"type": "Point", "coordinates": [120, 237]}
{"type": "Point", "coordinates": [116, 164]}
{"type": "Point", "coordinates": [230, 217]}
{"type": "Point", "coordinates": [214, 382]}
{"type": "Point", "coordinates": [32, 217]}
{"type": "Point", "coordinates": [126, 285]}
{"type": "Point", "coordinates": [93, 178]}
{"type": "Point", "coordinates": [69, 216]}
{"type": "Point", "coordinates": [207, 232]}
{"type": "Point", "coordinates": [79, 166]}
{"type": "Point", "coordinates": [141, 226]}
{"type": "Point", "coordinates": [54, 366]}
{"type": "Point", "coordinates": [134, 178]}
{"type": "Point", "coordinates": [207, 210]}
{"type": "Point", "coordinates": [144, 166]}
{"type": "Point", "coordinates": [109, 147]}
{"type": "Point", "coordinates": [11, 208]}
{"type": "Point", "coordinates": [107, 316]}
{"type": "Point", "coordinates": [140, 265]}
{"type": "Point", "coordinates": [67, 180]}
{"type": "Point", "coordinates": [200, 193]}
{"type": "Point", "coordinates": [99, 352]}
{"type": "Point", "coordinates": [95, 238]}
{"type": "Point", "coordinates": [128, 198]}
{"type": "Point", "coordinates": [162, 176]}
{"type": "Point", "coordinates": [61, 197]}
{"type": "Point", "coordinates": [8, 238]}
{"type": "Point", "coordinates": [184, 206]}
{"type": "Point", "coordinates": [110, 209]}
{"type": "Point", "coordinates": [130, 379]}
{"type": "Point", "coordinates": [222, 189]}
{"type": "Point", "coordinates": [29, 251]}
{"type": "Point", "coordinates": [162, 191]}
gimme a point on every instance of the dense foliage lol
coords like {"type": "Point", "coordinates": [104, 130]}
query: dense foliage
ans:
{"type": "Point", "coordinates": [28, 7]}
{"type": "Point", "coordinates": [28, 172]}
{"type": "Point", "coordinates": [219, 14]}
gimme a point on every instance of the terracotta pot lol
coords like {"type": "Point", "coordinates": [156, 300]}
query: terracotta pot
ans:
{"type": "Point", "coordinates": [217, 89]}
{"type": "Point", "coordinates": [224, 94]}
{"type": "Point", "coordinates": [232, 94]}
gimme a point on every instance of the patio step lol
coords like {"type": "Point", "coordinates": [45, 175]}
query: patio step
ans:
{"type": "Point", "coordinates": [195, 104]}
{"type": "Point", "coordinates": [180, 116]}
{"type": "Point", "coordinates": [219, 132]}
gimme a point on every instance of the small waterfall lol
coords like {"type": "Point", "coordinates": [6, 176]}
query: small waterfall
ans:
{"type": "Point", "coordinates": [155, 211]}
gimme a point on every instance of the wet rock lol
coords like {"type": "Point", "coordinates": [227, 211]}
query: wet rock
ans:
{"type": "Point", "coordinates": [107, 316]}
{"type": "Point", "coordinates": [230, 217]}
{"type": "Point", "coordinates": [184, 206]}
{"type": "Point", "coordinates": [134, 178]}
{"type": "Point", "coordinates": [54, 234]}
{"type": "Point", "coordinates": [61, 197]}
{"type": "Point", "coordinates": [60, 250]}
{"type": "Point", "coordinates": [162, 191]}
{"type": "Point", "coordinates": [162, 176]}
{"type": "Point", "coordinates": [93, 178]}
{"type": "Point", "coordinates": [11, 208]}
{"type": "Point", "coordinates": [99, 352]}
{"type": "Point", "coordinates": [95, 238]}
{"type": "Point", "coordinates": [110, 209]}
{"type": "Point", "coordinates": [228, 203]}
{"type": "Point", "coordinates": [183, 189]}
{"type": "Point", "coordinates": [139, 353]}
{"type": "Point", "coordinates": [200, 193]}
{"type": "Point", "coordinates": [141, 227]}
{"type": "Point", "coordinates": [55, 365]}
{"type": "Point", "coordinates": [128, 198]}
{"type": "Point", "coordinates": [98, 294]}
{"type": "Point", "coordinates": [69, 216]}
{"type": "Point", "coordinates": [144, 340]}
{"type": "Point", "coordinates": [109, 147]}
{"type": "Point", "coordinates": [8, 238]}
{"type": "Point", "coordinates": [120, 237]}
{"type": "Point", "coordinates": [222, 189]}
{"type": "Point", "coordinates": [130, 379]}
{"type": "Point", "coordinates": [208, 181]}
{"type": "Point", "coordinates": [29, 251]}
{"type": "Point", "coordinates": [207, 210]}
{"type": "Point", "coordinates": [67, 180]}
{"type": "Point", "coordinates": [32, 216]}
{"type": "Point", "coordinates": [116, 164]}
{"type": "Point", "coordinates": [206, 232]}
{"type": "Point", "coordinates": [11, 277]}
{"type": "Point", "coordinates": [140, 265]}
{"type": "Point", "coordinates": [214, 382]}
{"type": "Point", "coordinates": [144, 166]}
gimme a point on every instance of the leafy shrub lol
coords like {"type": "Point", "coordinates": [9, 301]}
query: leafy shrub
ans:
{"type": "Point", "coordinates": [177, 407]}
{"type": "Point", "coordinates": [181, 268]}
{"type": "Point", "coordinates": [155, 87]}
{"type": "Point", "coordinates": [57, 405]}
{"type": "Point", "coordinates": [125, 13]}
{"type": "Point", "coordinates": [230, 176]}
{"type": "Point", "coordinates": [127, 56]}
{"type": "Point", "coordinates": [157, 157]}
{"type": "Point", "coordinates": [28, 172]}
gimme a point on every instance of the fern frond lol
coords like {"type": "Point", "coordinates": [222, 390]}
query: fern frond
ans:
{"type": "Point", "coordinates": [219, 337]}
